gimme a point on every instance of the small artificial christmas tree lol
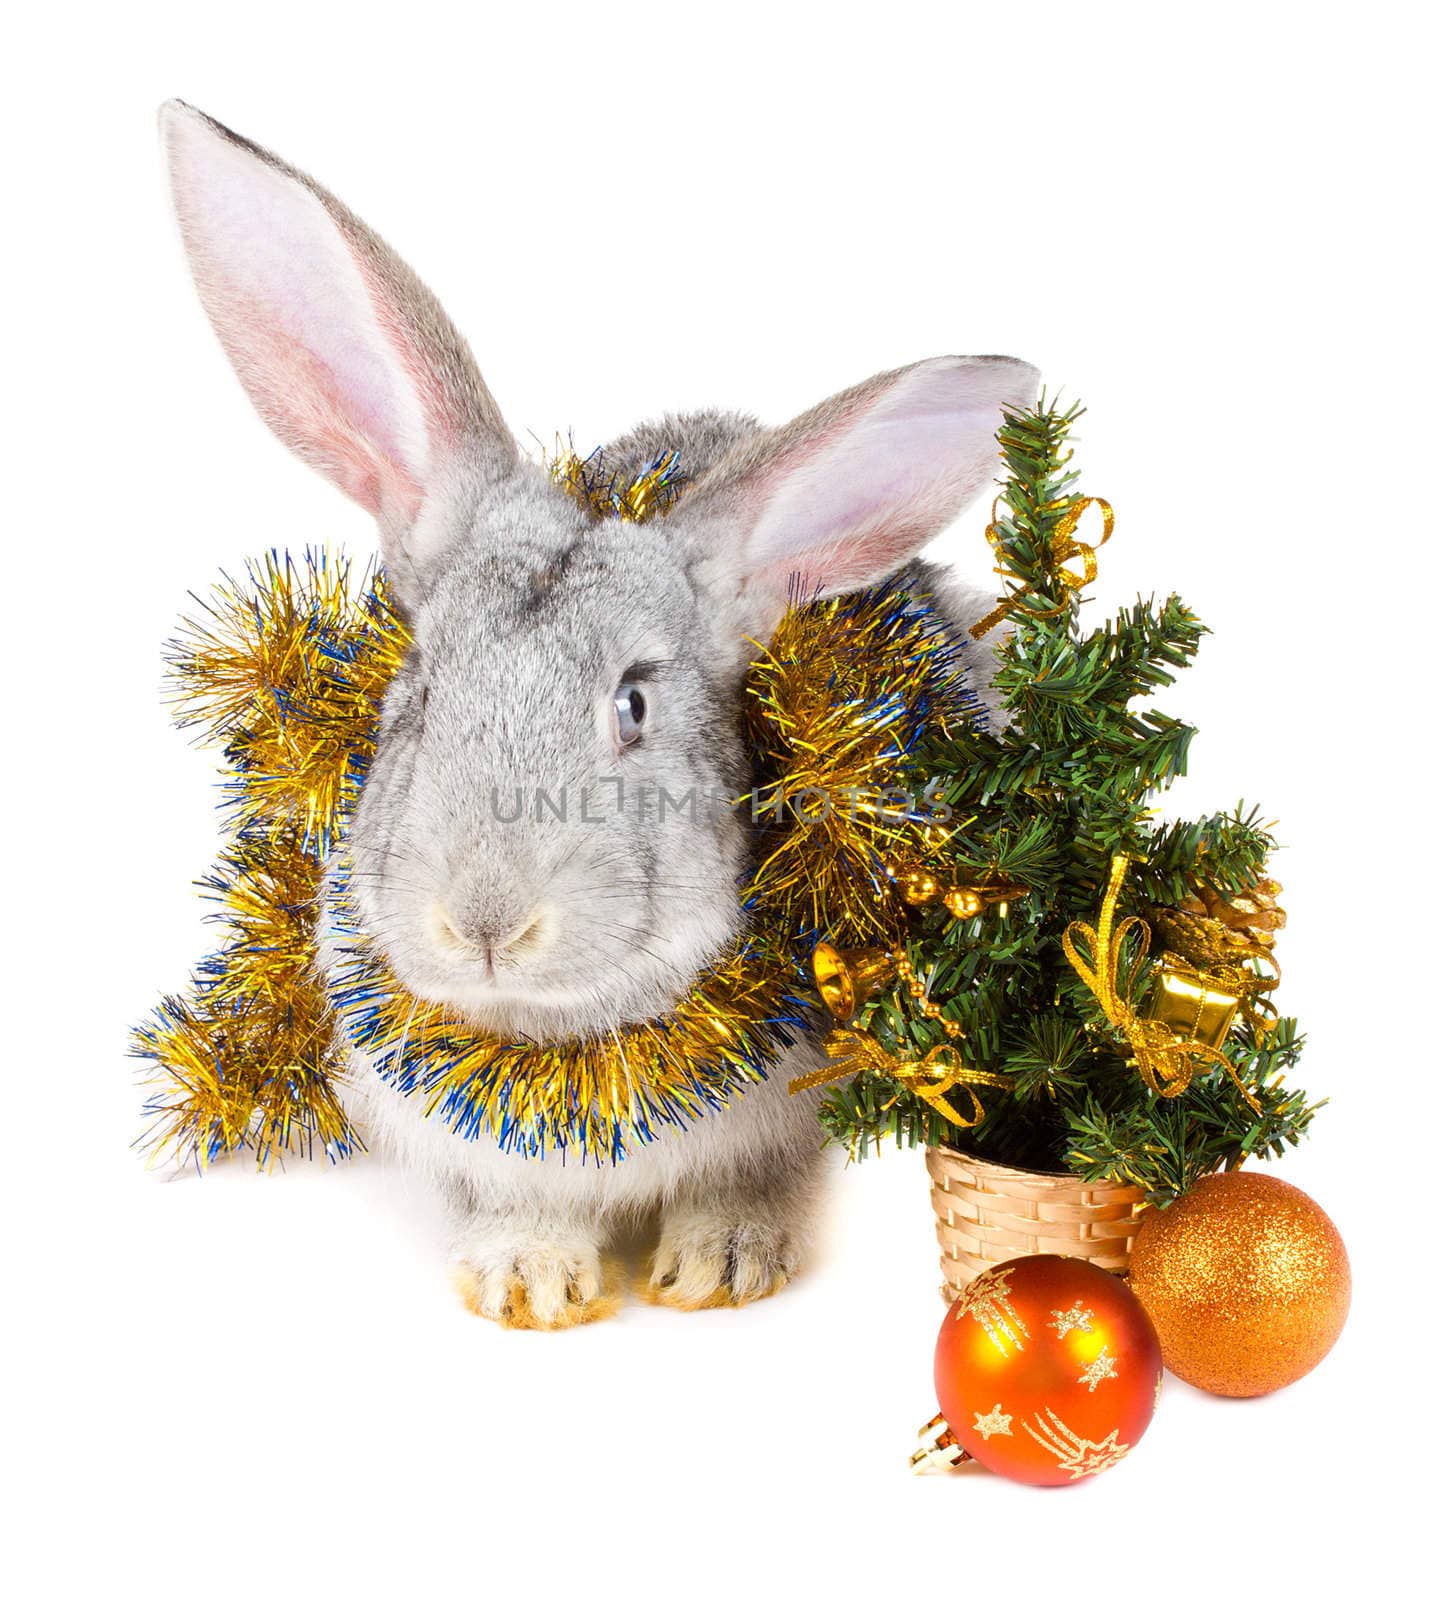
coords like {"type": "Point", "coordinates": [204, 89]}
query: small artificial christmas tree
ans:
{"type": "Point", "coordinates": [1093, 982]}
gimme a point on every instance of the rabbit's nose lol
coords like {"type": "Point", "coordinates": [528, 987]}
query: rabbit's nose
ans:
{"type": "Point", "coordinates": [483, 936]}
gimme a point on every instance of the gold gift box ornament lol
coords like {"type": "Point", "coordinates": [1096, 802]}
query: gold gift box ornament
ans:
{"type": "Point", "coordinates": [1208, 973]}
{"type": "Point", "coordinates": [1185, 1018]}
{"type": "Point", "coordinates": [1190, 1008]}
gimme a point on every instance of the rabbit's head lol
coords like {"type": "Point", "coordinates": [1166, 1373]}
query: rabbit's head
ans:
{"type": "Point", "coordinates": [546, 840]}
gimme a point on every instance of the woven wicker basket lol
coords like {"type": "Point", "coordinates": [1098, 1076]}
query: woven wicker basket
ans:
{"type": "Point", "coordinates": [988, 1213]}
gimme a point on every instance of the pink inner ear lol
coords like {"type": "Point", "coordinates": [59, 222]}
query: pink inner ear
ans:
{"type": "Point", "coordinates": [307, 316]}
{"type": "Point", "coordinates": [844, 564]}
{"type": "Point", "coordinates": [853, 512]}
{"type": "Point", "coordinates": [441, 410]}
{"type": "Point", "coordinates": [856, 487]}
{"type": "Point", "coordinates": [300, 397]}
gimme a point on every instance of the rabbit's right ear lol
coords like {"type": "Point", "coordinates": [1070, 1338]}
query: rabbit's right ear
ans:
{"type": "Point", "coordinates": [346, 355]}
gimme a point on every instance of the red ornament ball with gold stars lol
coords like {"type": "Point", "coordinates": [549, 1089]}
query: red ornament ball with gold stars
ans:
{"type": "Point", "coordinates": [1047, 1369]}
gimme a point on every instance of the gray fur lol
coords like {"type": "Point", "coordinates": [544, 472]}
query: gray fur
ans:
{"type": "Point", "coordinates": [702, 438]}
{"type": "Point", "coordinates": [527, 613]}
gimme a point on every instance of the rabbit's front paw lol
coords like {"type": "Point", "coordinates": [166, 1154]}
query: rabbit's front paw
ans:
{"type": "Point", "coordinates": [715, 1259]}
{"type": "Point", "coordinates": [534, 1283]}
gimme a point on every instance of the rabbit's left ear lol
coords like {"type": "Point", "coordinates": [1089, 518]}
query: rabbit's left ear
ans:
{"type": "Point", "coordinates": [846, 493]}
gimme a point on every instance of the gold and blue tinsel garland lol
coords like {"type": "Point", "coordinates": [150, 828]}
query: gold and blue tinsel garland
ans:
{"type": "Point", "coordinates": [598, 1095]}
{"type": "Point", "coordinates": [837, 703]}
{"type": "Point", "coordinates": [284, 672]}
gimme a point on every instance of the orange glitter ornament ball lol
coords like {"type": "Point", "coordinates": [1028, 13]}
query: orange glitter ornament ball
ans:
{"type": "Point", "coordinates": [1047, 1369]}
{"type": "Point", "coordinates": [1247, 1281]}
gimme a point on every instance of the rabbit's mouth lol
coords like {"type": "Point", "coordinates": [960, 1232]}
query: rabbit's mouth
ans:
{"type": "Point", "coordinates": [494, 946]}
{"type": "Point", "coordinates": [544, 983]}
{"type": "Point", "coordinates": [542, 1015]}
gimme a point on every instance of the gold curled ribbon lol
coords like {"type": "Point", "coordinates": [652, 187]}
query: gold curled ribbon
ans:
{"type": "Point", "coordinates": [1065, 547]}
{"type": "Point", "coordinates": [1166, 1061]}
{"type": "Point", "coordinates": [930, 1077]}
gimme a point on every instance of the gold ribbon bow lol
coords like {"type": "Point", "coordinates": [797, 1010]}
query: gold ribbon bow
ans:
{"type": "Point", "coordinates": [1166, 1061]}
{"type": "Point", "coordinates": [1065, 547]}
{"type": "Point", "coordinates": [930, 1077]}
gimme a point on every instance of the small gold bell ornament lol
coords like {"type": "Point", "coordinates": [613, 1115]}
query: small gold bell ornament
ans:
{"type": "Point", "coordinates": [1246, 1280]}
{"type": "Point", "coordinates": [1047, 1371]}
{"type": "Point", "coordinates": [847, 979]}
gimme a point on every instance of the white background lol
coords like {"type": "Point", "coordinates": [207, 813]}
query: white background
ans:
{"type": "Point", "coordinates": [1208, 223]}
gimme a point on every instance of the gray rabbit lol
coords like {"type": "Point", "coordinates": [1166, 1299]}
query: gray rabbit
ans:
{"type": "Point", "coordinates": [554, 650]}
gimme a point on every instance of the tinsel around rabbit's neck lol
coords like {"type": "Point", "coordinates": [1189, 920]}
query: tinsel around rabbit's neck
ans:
{"type": "Point", "coordinates": [596, 1094]}
{"type": "Point", "coordinates": [285, 672]}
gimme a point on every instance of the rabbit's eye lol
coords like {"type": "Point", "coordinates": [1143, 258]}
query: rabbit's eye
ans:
{"type": "Point", "coordinates": [629, 710]}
